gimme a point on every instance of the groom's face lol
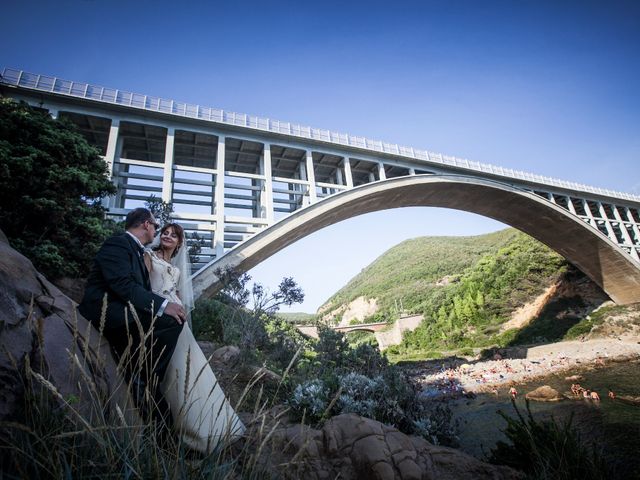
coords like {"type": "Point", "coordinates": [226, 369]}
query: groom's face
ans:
{"type": "Point", "coordinates": [150, 229]}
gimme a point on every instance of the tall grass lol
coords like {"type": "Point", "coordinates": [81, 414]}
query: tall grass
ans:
{"type": "Point", "coordinates": [548, 450]}
{"type": "Point", "coordinates": [94, 435]}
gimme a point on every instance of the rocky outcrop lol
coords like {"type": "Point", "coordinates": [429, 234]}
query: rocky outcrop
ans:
{"type": "Point", "coordinates": [544, 394]}
{"type": "Point", "coordinates": [349, 446]}
{"type": "Point", "coordinates": [358, 309]}
{"type": "Point", "coordinates": [41, 332]}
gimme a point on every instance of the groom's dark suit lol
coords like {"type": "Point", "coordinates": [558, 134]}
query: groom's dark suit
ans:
{"type": "Point", "coordinates": [120, 273]}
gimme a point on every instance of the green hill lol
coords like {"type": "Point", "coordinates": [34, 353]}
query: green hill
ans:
{"type": "Point", "coordinates": [410, 271]}
{"type": "Point", "coordinates": [466, 287]}
{"type": "Point", "coordinates": [298, 318]}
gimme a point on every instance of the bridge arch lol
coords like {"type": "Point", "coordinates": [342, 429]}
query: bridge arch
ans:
{"type": "Point", "coordinates": [584, 246]}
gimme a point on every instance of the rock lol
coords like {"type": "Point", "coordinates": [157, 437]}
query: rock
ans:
{"type": "Point", "coordinates": [350, 446]}
{"type": "Point", "coordinates": [41, 332]}
{"type": "Point", "coordinates": [544, 394]}
{"type": "Point", "coordinates": [227, 355]}
{"type": "Point", "coordinates": [207, 348]}
{"type": "Point", "coordinates": [71, 287]}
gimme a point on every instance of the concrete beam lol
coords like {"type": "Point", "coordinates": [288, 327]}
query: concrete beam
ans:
{"type": "Point", "coordinates": [584, 246]}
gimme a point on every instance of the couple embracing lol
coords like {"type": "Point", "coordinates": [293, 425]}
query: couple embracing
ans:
{"type": "Point", "coordinates": [140, 299]}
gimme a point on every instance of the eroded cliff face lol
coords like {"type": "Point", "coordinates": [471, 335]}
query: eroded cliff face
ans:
{"type": "Point", "coordinates": [41, 333]}
{"type": "Point", "coordinates": [357, 309]}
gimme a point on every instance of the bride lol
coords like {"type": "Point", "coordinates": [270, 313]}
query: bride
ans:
{"type": "Point", "coordinates": [200, 410]}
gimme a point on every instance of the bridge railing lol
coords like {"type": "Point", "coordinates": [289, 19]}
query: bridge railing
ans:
{"type": "Point", "coordinates": [120, 97]}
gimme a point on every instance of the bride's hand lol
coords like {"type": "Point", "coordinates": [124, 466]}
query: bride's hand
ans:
{"type": "Point", "coordinates": [176, 311]}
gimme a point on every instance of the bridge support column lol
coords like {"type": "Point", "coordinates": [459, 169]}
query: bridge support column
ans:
{"type": "Point", "coordinates": [634, 222]}
{"type": "Point", "coordinates": [634, 225]}
{"type": "Point", "coordinates": [625, 233]}
{"type": "Point", "coordinates": [381, 173]}
{"type": "Point", "coordinates": [311, 177]}
{"type": "Point", "coordinates": [114, 145]}
{"type": "Point", "coordinates": [347, 172]}
{"type": "Point", "coordinates": [167, 176]}
{"type": "Point", "coordinates": [218, 196]}
{"type": "Point", "coordinates": [587, 209]}
{"type": "Point", "coordinates": [339, 178]}
{"type": "Point", "coordinates": [266, 198]}
{"type": "Point", "coordinates": [607, 224]}
{"type": "Point", "coordinates": [572, 209]}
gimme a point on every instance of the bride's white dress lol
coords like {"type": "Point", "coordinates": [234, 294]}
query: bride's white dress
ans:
{"type": "Point", "coordinates": [200, 410]}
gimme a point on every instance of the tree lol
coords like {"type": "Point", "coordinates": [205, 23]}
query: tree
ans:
{"type": "Point", "coordinates": [235, 289]}
{"type": "Point", "coordinates": [195, 243]}
{"type": "Point", "coordinates": [51, 186]}
{"type": "Point", "coordinates": [160, 209]}
{"type": "Point", "coordinates": [252, 308]}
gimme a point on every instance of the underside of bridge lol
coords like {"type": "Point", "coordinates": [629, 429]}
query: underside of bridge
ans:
{"type": "Point", "coordinates": [582, 245]}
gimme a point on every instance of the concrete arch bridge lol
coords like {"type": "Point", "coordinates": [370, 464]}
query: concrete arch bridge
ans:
{"type": "Point", "coordinates": [250, 186]}
{"type": "Point", "coordinates": [612, 268]}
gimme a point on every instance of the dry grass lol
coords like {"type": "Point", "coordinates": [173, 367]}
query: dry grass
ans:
{"type": "Point", "coordinates": [97, 436]}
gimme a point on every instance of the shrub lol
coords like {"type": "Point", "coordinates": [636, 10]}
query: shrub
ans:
{"type": "Point", "coordinates": [547, 450]}
{"type": "Point", "coordinates": [309, 400]}
{"type": "Point", "coordinates": [360, 380]}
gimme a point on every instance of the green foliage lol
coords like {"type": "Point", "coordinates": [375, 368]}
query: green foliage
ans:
{"type": "Point", "coordinates": [298, 318]}
{"type": "Point", "coordinates": [256, 329]}
{"type": "Point", "coordinates": [547, 450]}
{"type": "Point", "coordinates": [208, 319]}
{"type": "Point", "coordinates": [408, 273]}
{"type": "Point", "coordinates": [339, 378]}
{"type": "Point", "coordinates": [468, 312]}
{"type": "Point", "coordinates": [51, 185]}
{"type": "Point", "coordinates": [362, 337]}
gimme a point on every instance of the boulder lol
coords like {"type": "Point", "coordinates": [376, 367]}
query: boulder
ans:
{"type": "Point", "coordinates": [42, 333]}
{"type": "Point", "coordinates": [227, 355]}
{"type": "Point", "coordinates": [234, 374]}
{"type": "Point", "coordinates": [544, 394]}
{"type": "Point", "coordinates": [350, 446]}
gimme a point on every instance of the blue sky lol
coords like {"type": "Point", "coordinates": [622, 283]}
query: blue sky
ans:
{"type": "Point", "coordinates": [545, 87]}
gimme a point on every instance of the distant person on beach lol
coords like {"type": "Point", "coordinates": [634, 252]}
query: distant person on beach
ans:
{"type": "Point", "coordinates": [611, 395]}
{"type": "Point", "coordinates": [595, 396]}
{"type": "Point", "coordinates": [513, 392]}
{"type": "Point", "coordinates": [586, 393]}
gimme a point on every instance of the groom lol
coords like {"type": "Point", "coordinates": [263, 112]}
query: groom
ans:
{"type": "Point", "coordinates": [119, 275]}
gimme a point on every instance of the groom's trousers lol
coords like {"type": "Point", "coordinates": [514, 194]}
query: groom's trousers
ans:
{"type": "Point", "coordinates": [145, 348]}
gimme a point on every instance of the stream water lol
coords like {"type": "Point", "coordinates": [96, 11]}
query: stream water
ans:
{"type": "Point", "coordinates": [612, 425]}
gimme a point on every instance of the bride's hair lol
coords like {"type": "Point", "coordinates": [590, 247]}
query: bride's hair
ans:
{"type": "Point", "coordinates": [178, 231]}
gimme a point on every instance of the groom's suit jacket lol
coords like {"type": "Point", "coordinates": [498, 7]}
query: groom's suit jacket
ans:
{"type": "Point", "coordinates": [119, 272]}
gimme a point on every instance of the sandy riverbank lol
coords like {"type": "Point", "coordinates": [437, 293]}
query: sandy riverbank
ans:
{"type": "Point", "coordinates": [571, 357]}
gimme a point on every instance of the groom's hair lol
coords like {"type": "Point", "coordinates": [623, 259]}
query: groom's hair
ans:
{"type": "Point", "coordinates": [137, 217]}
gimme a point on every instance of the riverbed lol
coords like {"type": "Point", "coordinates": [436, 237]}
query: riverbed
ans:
{"type": "Point", "coordinates": [611, 425]}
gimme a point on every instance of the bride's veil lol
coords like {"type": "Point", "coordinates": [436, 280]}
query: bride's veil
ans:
{"type": "Point", "coordinates": [185, 286]}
